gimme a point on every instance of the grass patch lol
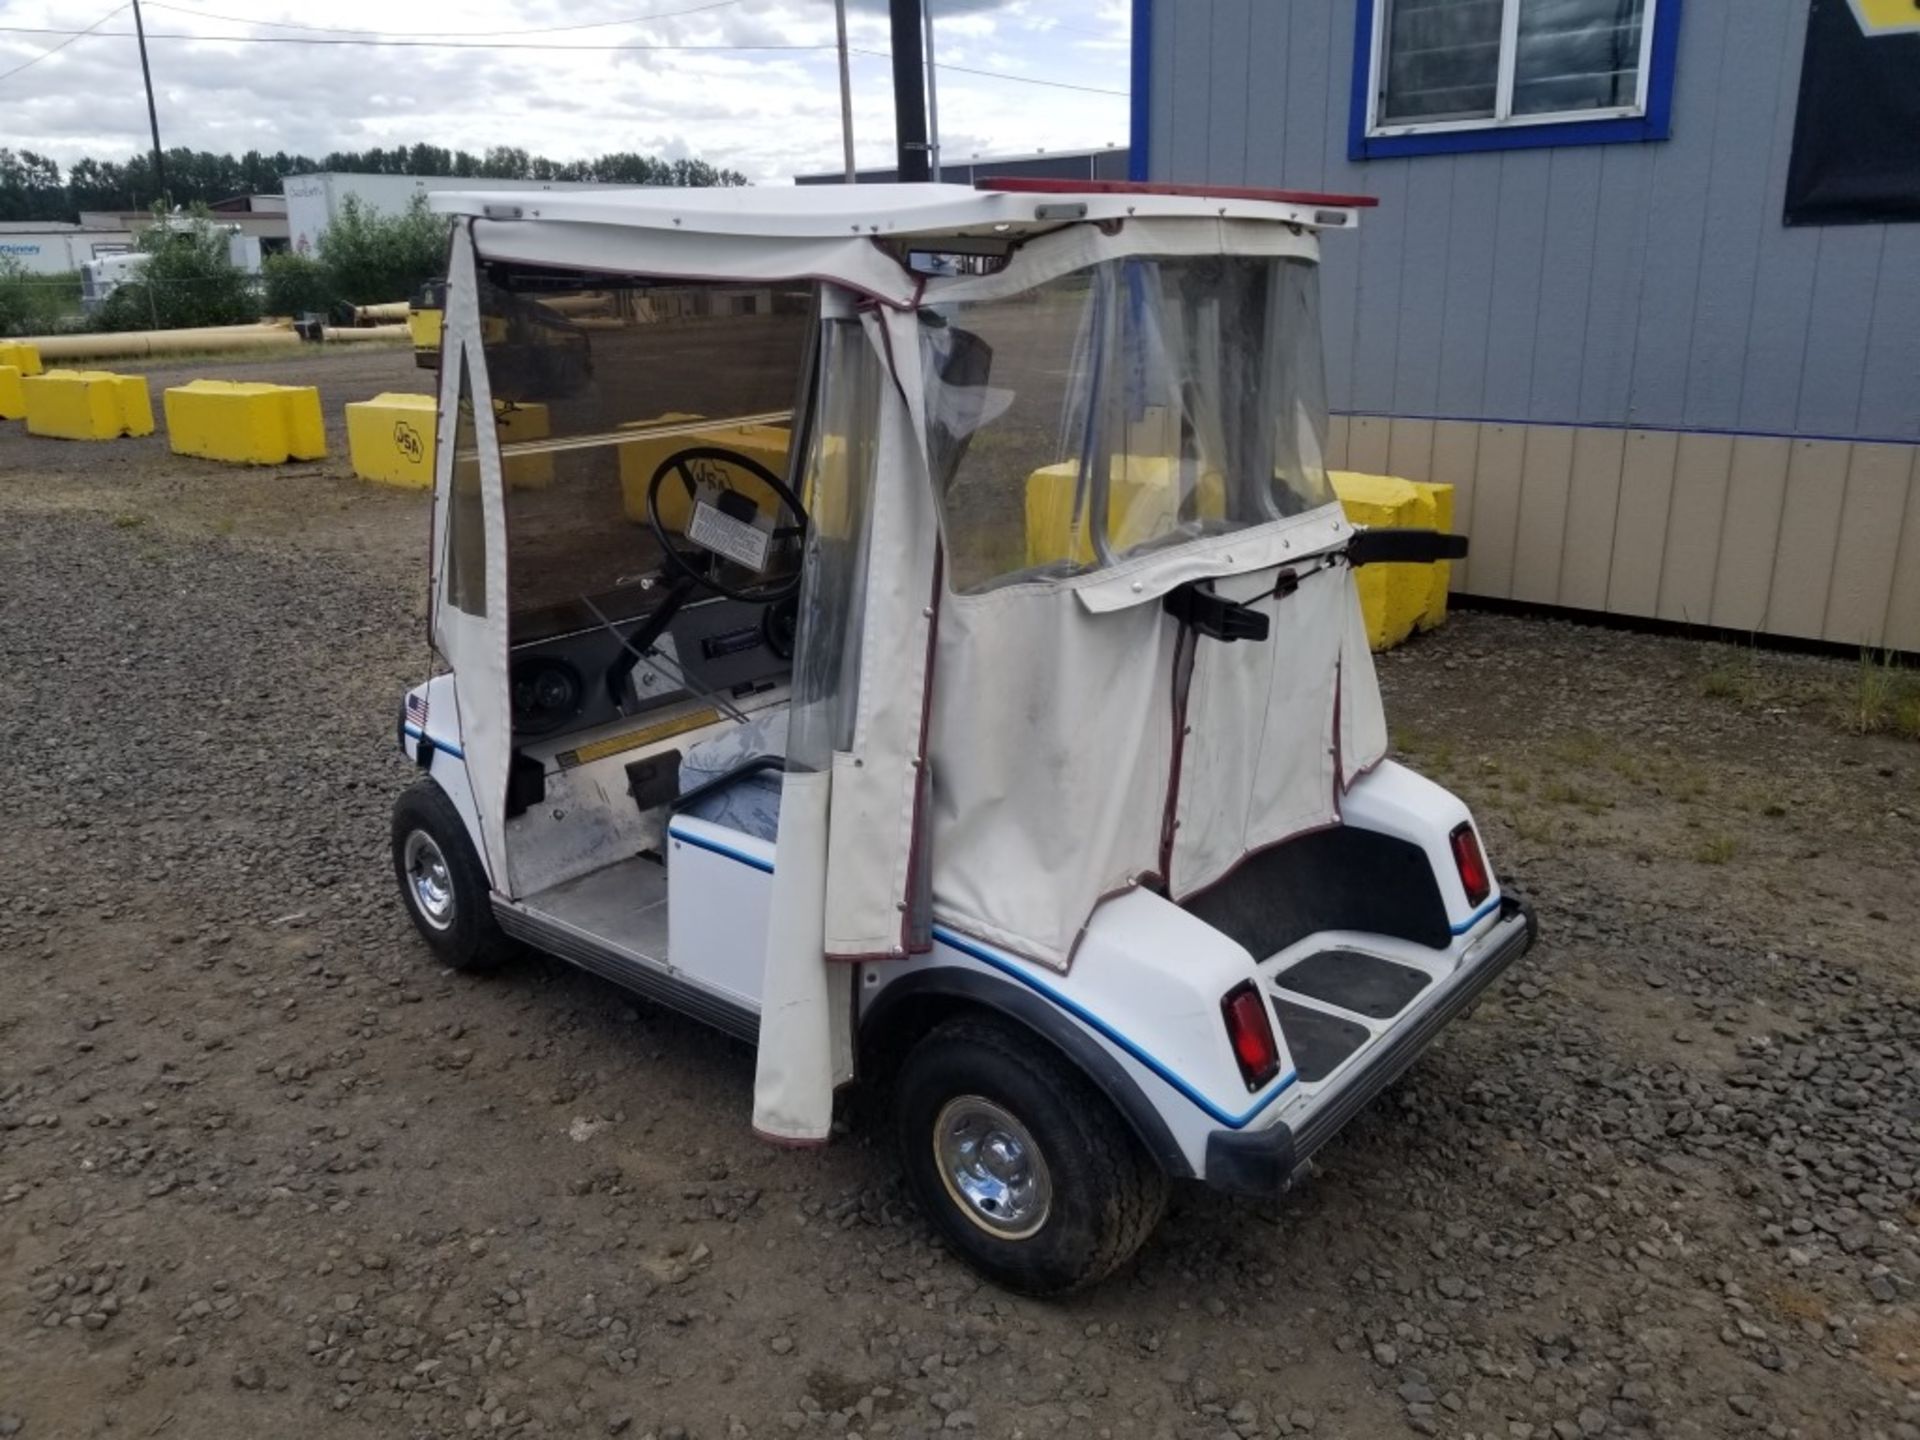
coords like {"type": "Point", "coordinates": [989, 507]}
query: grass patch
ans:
{"type": "Point", "coordinates": [1536, 828]}
{"type": "Point", "coordinates": [1569, 792]}
{"type": "Point", "coordinates": [1716, 850]}
{"type": "Point", "coordinates": [34, 304]}
{"type": "Point", "coordinates": [1583, 747]}
{"type": "Point", "coordinates": [1434, 751]}
{"type": "Point", "coordinates": [1883, 698]}
{"type": "Point", "coordinates": [1740, 679]}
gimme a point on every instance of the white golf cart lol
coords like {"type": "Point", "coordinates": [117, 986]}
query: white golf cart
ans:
{"type": "Point", "coordinates": [909, 627]}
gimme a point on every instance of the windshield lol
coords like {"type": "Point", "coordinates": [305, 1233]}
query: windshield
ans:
{"type": "Point", "coordinates": [1136, 404]}
{"type": "Point", "coordinates": [598, 382]}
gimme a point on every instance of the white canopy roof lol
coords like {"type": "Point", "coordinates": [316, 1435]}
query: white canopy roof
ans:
{"type": "Point", "coordinates": [836, 232]}
{"type": "Point", "coordinates": [809, 212]}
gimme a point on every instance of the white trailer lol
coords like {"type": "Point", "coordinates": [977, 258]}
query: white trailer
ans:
{"type": "Point", "coordinates": [59, 249]}
{"type": "Point", "coordinates": [313, 200]}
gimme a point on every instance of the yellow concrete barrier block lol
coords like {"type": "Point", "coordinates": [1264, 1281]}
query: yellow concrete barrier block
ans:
{"type": "Point", "coordinates": [23, 357]}
{"type": "Point", "coordinates": [87, 404]}
{"type": "Point", "coordinates": [245, 422]}
{"type": "Point", "coordinates": [517, 425]}
{"type": "Point", "coordinates": [390, 439]}
{"type": "Point", "coordinates": [1396, 599]}
{"type": "Point", "coordinates": [13, 401]}
{"type": "Point", "coordinates": [1441, 572]}
{"type": "Point", "coordinates": [641, 456]}
{"type": "Point", "coordinates": [1142, 502]}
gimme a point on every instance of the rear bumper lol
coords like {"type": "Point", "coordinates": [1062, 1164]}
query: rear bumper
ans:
{"type": "Point", "coordinates": [1261, 1162]}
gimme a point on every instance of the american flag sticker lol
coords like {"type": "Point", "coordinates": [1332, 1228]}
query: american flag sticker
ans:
{"type": "Point", "coordinates": [417, 711]}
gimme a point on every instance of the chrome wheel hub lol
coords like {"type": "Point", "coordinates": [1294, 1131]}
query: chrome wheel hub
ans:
{"type": "Point", "coordinates": [428, 881]}
{"type": "Point", "coordinates": [992, 1168]}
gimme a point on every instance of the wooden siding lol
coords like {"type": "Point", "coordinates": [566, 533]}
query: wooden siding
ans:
{"type": "Point", "coordinates": [1814, 539]}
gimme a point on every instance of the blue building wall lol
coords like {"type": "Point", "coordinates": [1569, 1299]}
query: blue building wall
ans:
{"type": "Point", "coordinates": [1650, 285]}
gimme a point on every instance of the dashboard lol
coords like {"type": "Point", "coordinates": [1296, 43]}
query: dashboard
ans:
{"type": "Point", "coordinates": [559, 683]}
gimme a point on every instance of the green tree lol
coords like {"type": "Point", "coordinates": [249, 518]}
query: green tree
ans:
{"type": "Point", "coordinates": [32, 187]}
{"type": "Point", "coordinates": [369, 258]}
{"type": "Point", "coordinates": [36, 304]}
{"type": "Point", "coordinates": [29, 185]}
{"type": "Point", "coordinates": [294, 285]}
{"type": "Point", "coordinates": [189, 279]}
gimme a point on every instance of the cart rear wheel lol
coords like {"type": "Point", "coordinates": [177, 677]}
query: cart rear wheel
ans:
{"type": "Point", "coordinates": [442, 884]}
{"type": "Point", "coordinates": [1023, 1167]}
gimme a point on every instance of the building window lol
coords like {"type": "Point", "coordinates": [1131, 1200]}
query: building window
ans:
{"type": "Point", "coordinates": [1438, 76]}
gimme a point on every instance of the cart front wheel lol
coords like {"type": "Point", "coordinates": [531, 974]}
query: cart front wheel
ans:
{"type": "Point", "coordinates": [442, 884]}
{"type": "Point", "coordinates": [1024, 1168]}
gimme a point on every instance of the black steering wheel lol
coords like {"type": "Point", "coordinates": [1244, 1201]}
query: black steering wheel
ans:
{"type": "Point", "coordinates": [697, 565]}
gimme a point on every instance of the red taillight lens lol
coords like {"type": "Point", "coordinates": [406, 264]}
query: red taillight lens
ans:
{"type": "Point", "coordinates": [1251, 1034]}
{"type": "Point", "coordinates": [1471, 864]}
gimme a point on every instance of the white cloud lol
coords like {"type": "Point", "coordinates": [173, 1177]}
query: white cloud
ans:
{"type": "Point", "coordinates": [768, 112]}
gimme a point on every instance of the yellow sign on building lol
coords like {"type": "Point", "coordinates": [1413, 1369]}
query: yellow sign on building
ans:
{"type": "Point", "coordinates": [1887, 17]}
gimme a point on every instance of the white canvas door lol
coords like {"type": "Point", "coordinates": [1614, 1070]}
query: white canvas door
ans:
{"type": "Point", "coordinates": [470, 557]}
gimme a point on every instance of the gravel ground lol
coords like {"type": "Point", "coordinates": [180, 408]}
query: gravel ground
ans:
{"type": "Point", "coordinates": [265, 1171]}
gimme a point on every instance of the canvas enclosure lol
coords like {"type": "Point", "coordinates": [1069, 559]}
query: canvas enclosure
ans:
{"type": "Point", "coordinates": [994, 721]}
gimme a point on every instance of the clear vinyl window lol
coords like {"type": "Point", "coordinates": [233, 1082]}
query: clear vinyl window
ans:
{"type": "Point", "coordinates": [598, 382]}
{"type": "Point", "coordinates": [1138, 404]}
{"type": "Point", "coordinates": [466, 514]}
{"type": "Point", "coordinates": [839, 483]}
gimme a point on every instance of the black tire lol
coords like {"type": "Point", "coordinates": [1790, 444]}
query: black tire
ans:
{"type": "Point", "coordinates": [465, 936]}
{"type": "Point", "coordinates": [1107, 1193]}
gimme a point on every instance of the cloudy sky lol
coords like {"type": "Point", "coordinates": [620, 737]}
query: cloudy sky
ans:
{"type": "Point", "coordinates": [746, 97]}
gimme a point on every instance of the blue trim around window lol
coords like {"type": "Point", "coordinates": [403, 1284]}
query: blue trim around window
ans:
{"type": "Point", "coordinates": [1656, 124]}
{"type": "Point", "coordinates": [1141, 55]}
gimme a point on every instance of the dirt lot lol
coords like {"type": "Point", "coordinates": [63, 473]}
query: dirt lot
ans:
{"type": "Point", "coordinates": [264, 1171]}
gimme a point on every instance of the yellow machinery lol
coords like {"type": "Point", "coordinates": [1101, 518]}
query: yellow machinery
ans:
{"type": "Point", "coordinates": [425, 313]}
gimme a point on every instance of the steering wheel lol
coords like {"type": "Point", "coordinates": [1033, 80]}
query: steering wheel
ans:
{"type": "Point", "coordinates": [696, 566]}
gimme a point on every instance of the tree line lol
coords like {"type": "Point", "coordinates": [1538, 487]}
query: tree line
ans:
{"type": "Point", "coordinates": [34, 187]}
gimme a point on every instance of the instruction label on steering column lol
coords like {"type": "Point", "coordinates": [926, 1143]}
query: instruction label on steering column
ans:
{"type": "Point", "coordinates": [728, 536]}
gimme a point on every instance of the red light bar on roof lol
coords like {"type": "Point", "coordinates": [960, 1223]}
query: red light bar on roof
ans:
{"type": "Point", "coordinates": [1028, 185]}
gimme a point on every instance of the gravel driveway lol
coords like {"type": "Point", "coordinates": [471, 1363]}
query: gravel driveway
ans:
{"type": "Point", "coordinates": [265, 1171]}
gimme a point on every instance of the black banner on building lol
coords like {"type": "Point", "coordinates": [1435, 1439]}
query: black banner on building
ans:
{"type": "Point", "coordinates": [1856, 135]}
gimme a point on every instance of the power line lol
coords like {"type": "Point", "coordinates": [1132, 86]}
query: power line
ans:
{"type": "Point", "coordinates": [1004, 75]}
{"type": "Point", "coordinates": [76, 35]}
{"type": "Point", "coordinates": [417, 34]}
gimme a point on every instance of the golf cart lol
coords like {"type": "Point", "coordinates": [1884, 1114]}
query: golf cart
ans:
{"type": "Point", "coordinates": [923, 643]}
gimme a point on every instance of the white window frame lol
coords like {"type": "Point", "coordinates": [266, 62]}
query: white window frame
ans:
{"type": "Point", "coordinates": [1503, 117]}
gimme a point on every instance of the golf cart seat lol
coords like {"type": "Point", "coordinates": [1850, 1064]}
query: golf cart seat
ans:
{"type": "Point", "coordinates": [751, 804]}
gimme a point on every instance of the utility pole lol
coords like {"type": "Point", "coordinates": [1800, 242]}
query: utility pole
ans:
{"type": "Point", "coordinates": [846, 88]}
{"type": "Point", "coordinates": [909, 90]}
{"type": "Point", "coordinates": [153, 115]}
{"type": "Point", "coordinates": [933, 102]}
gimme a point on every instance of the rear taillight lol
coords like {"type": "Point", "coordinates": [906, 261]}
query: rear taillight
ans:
{"type": "Point", "coordinates": [1251, 1034]}
{"type": "Point", "coordinates": [1471, 864]}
